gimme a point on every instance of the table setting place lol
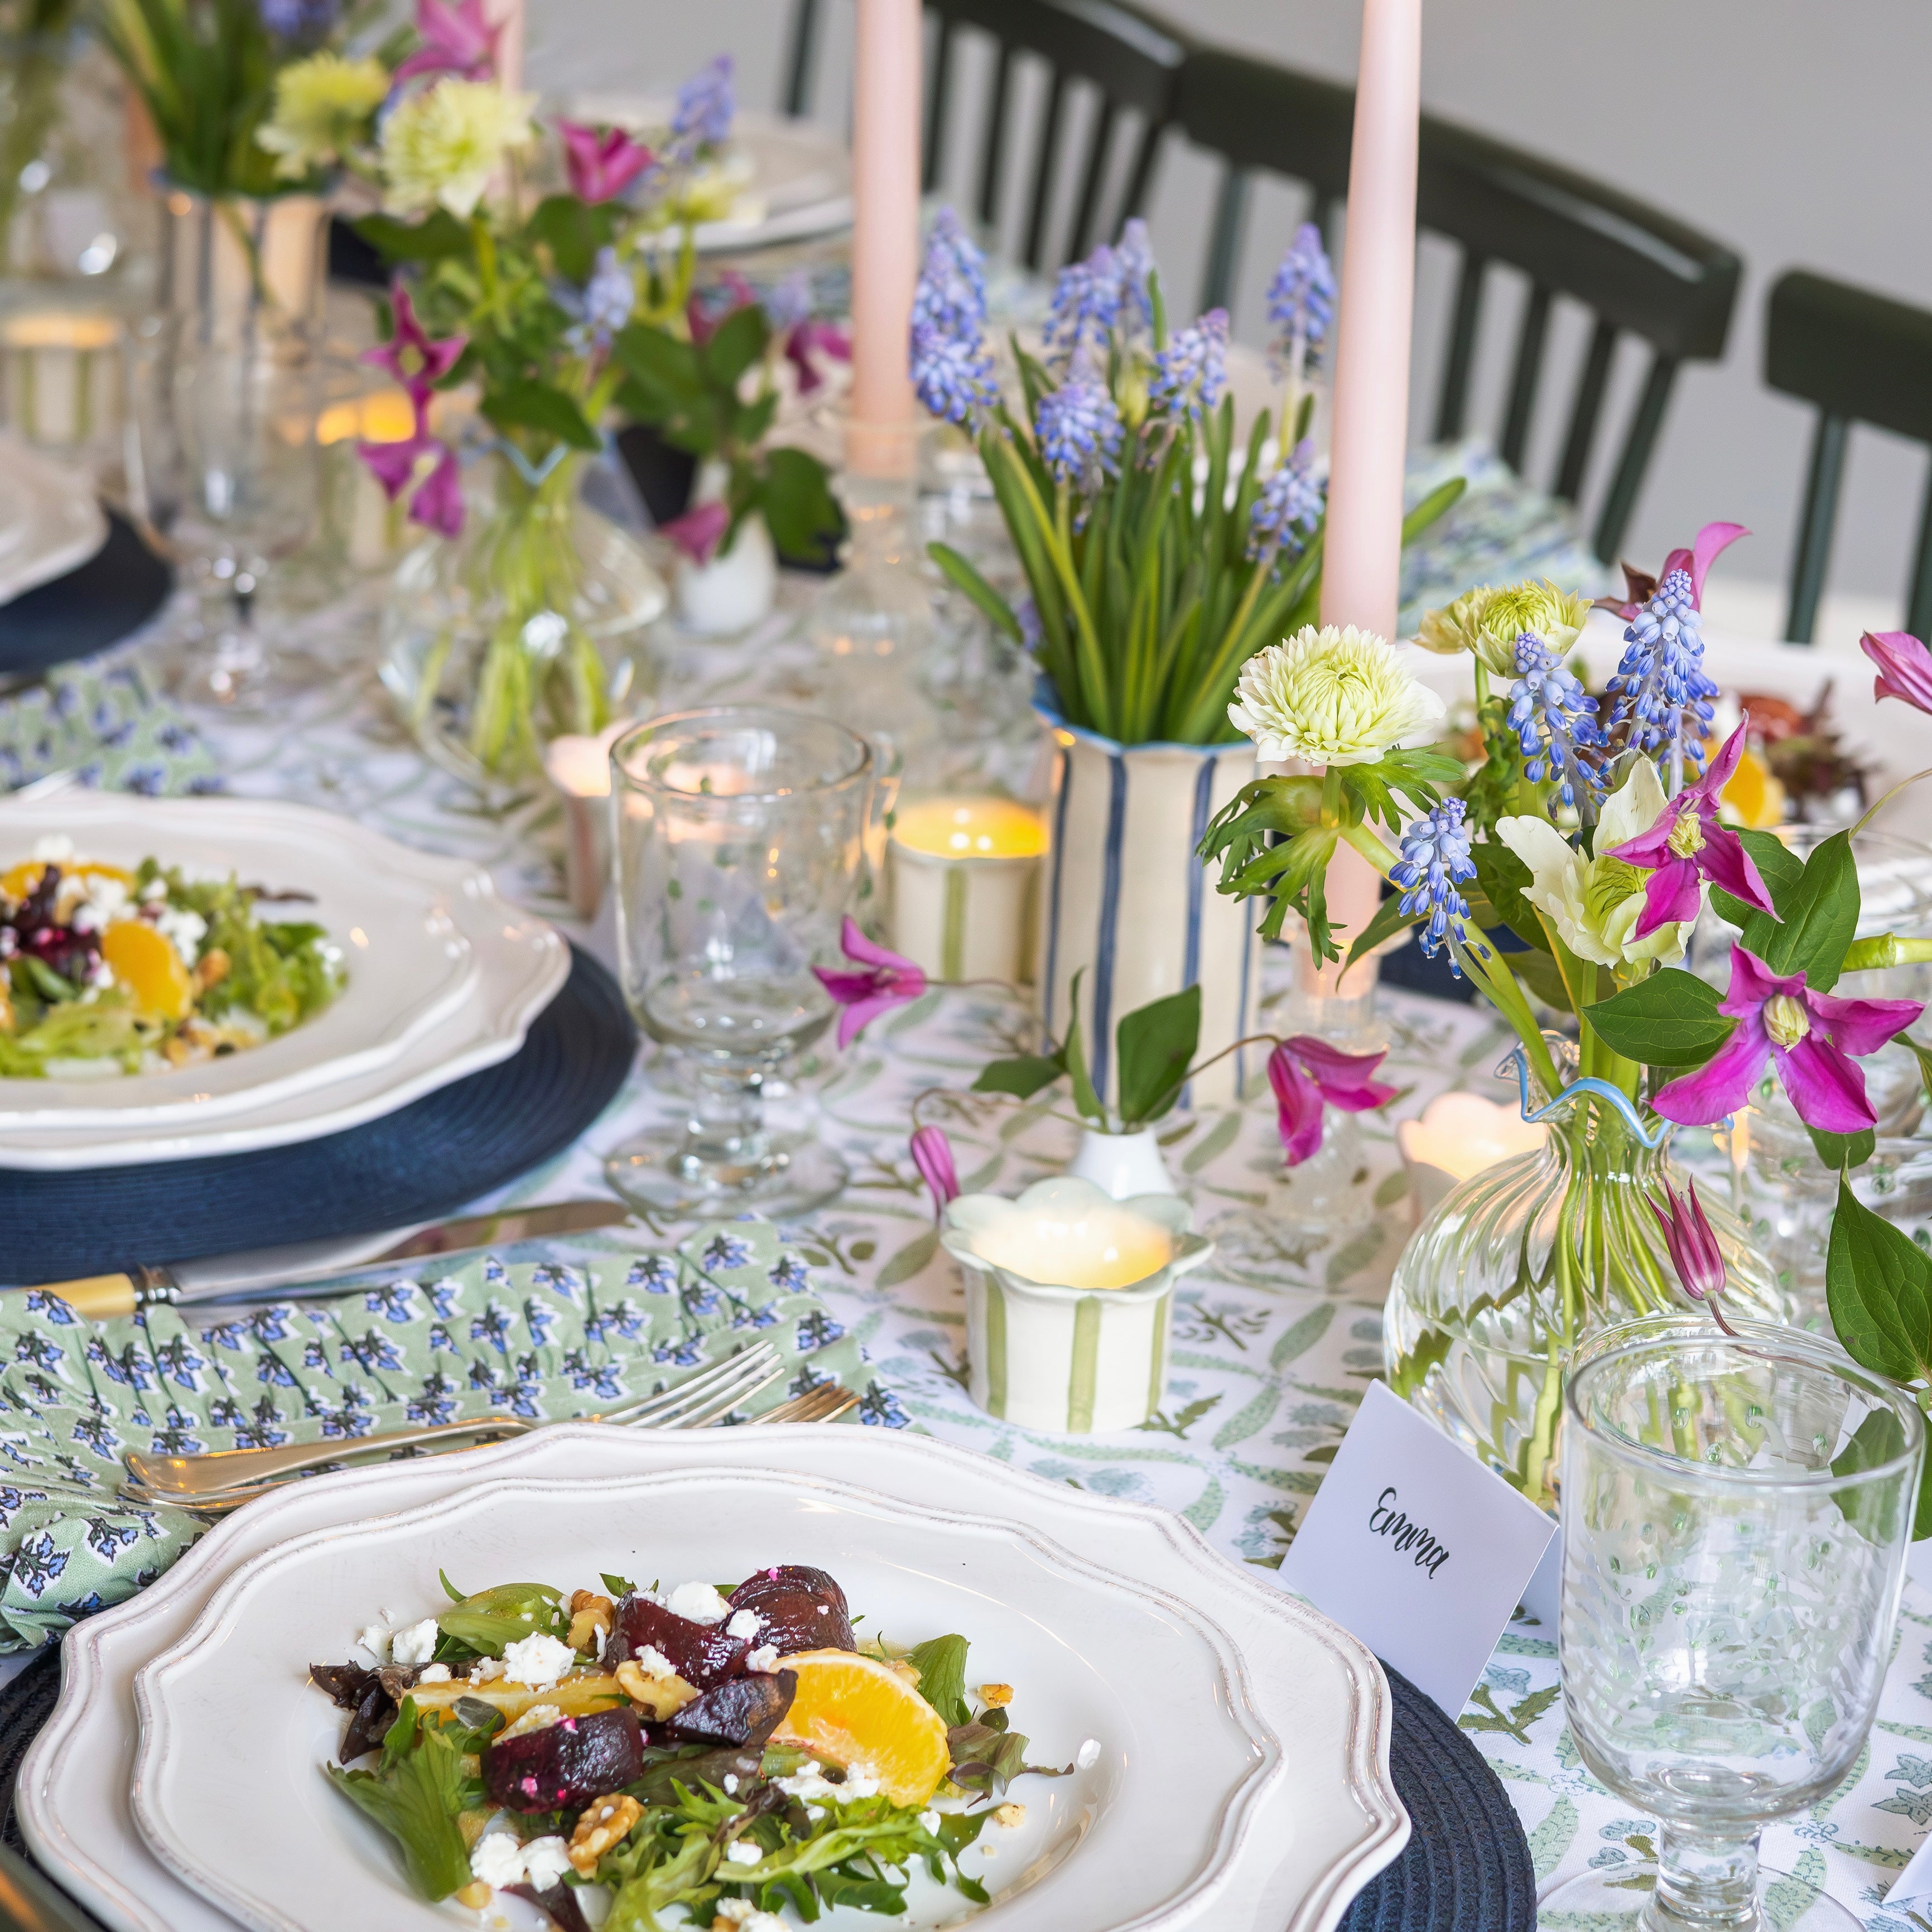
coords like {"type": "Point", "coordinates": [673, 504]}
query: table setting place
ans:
{"type": "Point", "coordinates": [840, 1076]}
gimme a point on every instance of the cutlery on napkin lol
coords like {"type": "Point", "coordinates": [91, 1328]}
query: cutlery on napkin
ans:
{"type": "Point", "coordinates": [317, 1265]}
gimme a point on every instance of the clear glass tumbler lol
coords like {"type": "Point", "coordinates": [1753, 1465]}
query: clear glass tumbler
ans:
{"type": "Point", "coordinates": [1735, 1515]}
{"type": "Point", "coordinates": [739, 838]}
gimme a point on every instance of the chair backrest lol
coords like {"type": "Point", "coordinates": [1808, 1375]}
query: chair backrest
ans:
{"type": "Point", "coordinates": [1638, 270]}
{"type": "Point", "coordinates": [1860, 357]}
{"type": "Point", "coordinates": [1131, 62]}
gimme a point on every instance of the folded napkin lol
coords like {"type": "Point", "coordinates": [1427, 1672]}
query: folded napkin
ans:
{"type": "Point", "coordinates": [105, 725]}
{"type": "Point", "coordinates": [542, 1339]}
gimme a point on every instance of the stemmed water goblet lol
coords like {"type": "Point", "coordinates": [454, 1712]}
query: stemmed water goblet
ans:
{"type": "Point", "coordinates": [739, 837]}
{"type": "Point", "coordinates": [1736, 1511]}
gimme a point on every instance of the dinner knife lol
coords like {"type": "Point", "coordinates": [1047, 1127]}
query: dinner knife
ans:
{"type": "Point", "coordinates": [314, 1263]}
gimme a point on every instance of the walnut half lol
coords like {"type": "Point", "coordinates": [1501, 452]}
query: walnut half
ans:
{"type": "Point", "coordinates": [661, 1697]}
{"type": "Point", "coordinates": [602, 1826]}
{"type": "Point", "coordinates": [590, 1617]}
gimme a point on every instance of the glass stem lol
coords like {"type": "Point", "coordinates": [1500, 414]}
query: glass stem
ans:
{"type": "Point", "coordinates": [1705, 1883]}
{"type": "Point", "coordinates": [725, 1132]}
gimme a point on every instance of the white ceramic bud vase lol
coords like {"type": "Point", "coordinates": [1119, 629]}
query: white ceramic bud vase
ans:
{"type": "Point", "coordinates": [1127, 904]}
{"type": "Point", "coordinates": [1122, 1164]}
{"type": "Point", "coordinates": [1069, 1297]}
{"type": "Point", "coordinates": [738, 587]}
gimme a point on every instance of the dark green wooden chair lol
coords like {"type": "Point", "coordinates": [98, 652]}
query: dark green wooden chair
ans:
{"type": "Point", "coordinates": [1639, 271]}
{"type": "Point", "coordinates": [1130, 61]}
{"type": "Point", "coordinates": [1857, 357]}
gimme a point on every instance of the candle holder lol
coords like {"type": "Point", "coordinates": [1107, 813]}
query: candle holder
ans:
{"type": "Point", "coordinates": [1455, 1135]}
{"type": "Point", "coordinates": [61, 380]}
{"type": "Point", "coordinates": [579, 767]}
{"type": "Point", "coordinates": [1070, 1295]}
{"type": "Point", "coordinates": [961, 873]}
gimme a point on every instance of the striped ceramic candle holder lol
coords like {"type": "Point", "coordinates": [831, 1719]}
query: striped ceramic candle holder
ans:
{"type": "Point", "coordinates": [962, 873]}
{"type": "Point", "coordinates": [1068, 1297]}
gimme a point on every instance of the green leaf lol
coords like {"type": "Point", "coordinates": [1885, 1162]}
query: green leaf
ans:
{"type": "Point", "coordinates": [574, 231]}
{"type": "Point", "coordinates": [1389, 919]}
{"type": "Point", "coordinates": [1155, 1043]}
{"type": "Point", "coordinates": [796, 496]}
{"type": "Point", "coordinates": [525, 404]}
{"type": "Point", "coordinates": [1778, 866]}
{"type": "Point", "coordinates": [1876, 1441]}
{"type": "Point", "coordinates": [1022, 1078]}
{"type": "Point", "coordinates": [416, 1798]}
{"type": "Point", "coordinates": [492, 1618]}
{"type": "Point", "coordinates": [1503, 876]}
{"type": "Point", "coordinates": [1086, 1102]}
{"type": "Point", "coordinates": [1821, 917]}
{"type": "Point", "coordinates": [438, 237]}
{"type": "Point", "coordinates": [738, 342]}
{"type": "Point", "coordinates": [1840, 1151]}
{"type": "Point", "coordinates": [985, 599]}
{"type": "Point", "coordinates": [1878, 1283]}
{"type": "Point", "coordinates": [940, 1662]}
{"type": "Point", "coordinates": [618, 1586]}
{"type": "Point", "coordinates": [1542, 975]}
{"type": "Point", "coordinates": [1671, 1019]}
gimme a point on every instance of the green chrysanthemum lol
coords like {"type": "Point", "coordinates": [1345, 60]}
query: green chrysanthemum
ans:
{"type": "Point", "coordinates": [1334, 696]}
{"type": "Point", "coordinates": [322, 106]}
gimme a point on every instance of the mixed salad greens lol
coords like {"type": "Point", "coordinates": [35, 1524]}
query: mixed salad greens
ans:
{"type": "Point", "coordinates": [103, 970]}
{"type": "Point", "coordinates": [730, 1754]}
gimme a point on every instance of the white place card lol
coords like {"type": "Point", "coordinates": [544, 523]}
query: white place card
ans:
{"type": "Point", "coordinates": [1417, 1548]}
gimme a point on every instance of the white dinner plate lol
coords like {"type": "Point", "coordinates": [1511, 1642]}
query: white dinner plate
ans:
{"type": "Point", "coordinates": [1315, 1830]}
{"type": "Point", "coordinates": [444, 979]}
{"type": "Point", "coordinates": [50, 523]}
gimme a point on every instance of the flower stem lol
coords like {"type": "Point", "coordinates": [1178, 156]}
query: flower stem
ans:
{"type": "Point", "coordinates": [1873, 812]}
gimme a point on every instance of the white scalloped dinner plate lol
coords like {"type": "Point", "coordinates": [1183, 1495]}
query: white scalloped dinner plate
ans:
{"type": "Point", "coordinates": [444, 978]}
{"type": "Point", "coordinates": [1282, 1716]}
{"type": "Point", "coordinates": [50, 522]}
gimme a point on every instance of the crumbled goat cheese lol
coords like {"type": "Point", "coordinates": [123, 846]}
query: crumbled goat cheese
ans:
{"type": "Point", "coordinates": [812, 1784]}
{"type": "Point", "coordinates": [498, 1859]}
{"type": "Point", "coordinates": [184, 930]}
{"type": "Point", "coordinates": [416, 1645]}
{"type": "Point", "coordinates": [375, 1640]}
{"type": "Point", "coordinates": [538, 1659]}
{"type": "Point", "coordinates": [737, 1910]}
{"type": "Point", "coordinates": [545, 1861]}
{"type": "Point", "coordinates": [1010, 1815]}
{"type": "Point", "coordinates": [764, 1658]}
{"type": "Point", "coordinates": [739, 1853]}
{"type": "Point", "coordinates": [731, 1784]}
{"type": "Point", "coordinates": [154, 892]}
{"type": "Point", "coordinates": [744, 1623]}
{"type": "Point", "coordinates": [54, 849]}
{"type": "Point", "coordinates": [653, 1663]}
{"type": "Point", "coordinates": [699, 1604]}
{"type": "Point", "coordinates": [435, 1673]}
{"type": "Point", "coordinates": [1088, 1754]}
{"type": "Point", "coordinates": [486, 1670]}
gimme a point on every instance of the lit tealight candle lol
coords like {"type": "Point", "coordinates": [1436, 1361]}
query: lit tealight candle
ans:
{"type": "Point", "coordinates": [962, 873]}
{"type": "Point", "coordinates": [1456, 1135]}
{"type": "Point", "coordinates": [1092, 1247]}
{"type": "Point", "coordinates": [579, 766]}
{"type": "Point", "coordinates": [63, 375]}
{"type": "Point", "coordinates": [374, 530]}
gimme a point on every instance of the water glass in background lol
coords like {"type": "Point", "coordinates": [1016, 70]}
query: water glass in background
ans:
{"type": "Point", "coordinates": [739, 838]}
{"type": "Point", "coordinates": [1735, 1516]}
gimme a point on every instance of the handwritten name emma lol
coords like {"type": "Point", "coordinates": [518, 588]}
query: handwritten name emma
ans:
{"type": "Point", "coordinates": [1385, 1520]}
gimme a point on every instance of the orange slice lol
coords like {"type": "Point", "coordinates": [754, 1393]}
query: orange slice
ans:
{"type": "Point", "coordinates": [19, 881]}
{"type": "Point", "coordinates": [145, 962]}
{"type": "Point", "coordinates": [853, 1711]}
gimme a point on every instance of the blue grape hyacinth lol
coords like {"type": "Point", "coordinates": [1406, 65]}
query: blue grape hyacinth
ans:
{"type": "Point", "coordinates": [953, 375]}
{"type": "Point", "coordinates": [1660, 691]}
{"type": "Point", "coordinates": [1435, 860]}
{"type": "Point", "coordinates": [1086, 306]}
{"type": "Point", "coordinates": [1191, 372]}
{"type": "Point", "coordinates": [1554, 720]}
{"type": "Point", "coordinates": [1079, 428]}
{"type": "Point", "coordinates": [1289, 506]}
{"type": "Point", "coordinates": [951, 293]}
{"type": "Point", "coordinates": [1301, 298]}
{"type": "Point", "coordinates": [705, 103]}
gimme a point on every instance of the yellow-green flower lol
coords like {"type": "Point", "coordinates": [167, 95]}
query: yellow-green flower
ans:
{"type": "Point", "coordinates": [1486, 623]}
{"type": "Point", "coordinates": [440, 148]}
{"type": "Point", "coordinates": [322, 106]}
{"type": "Point", "coordinates": [1334, 696]}
{"type": "Point", "coordinates": [1457, 626]}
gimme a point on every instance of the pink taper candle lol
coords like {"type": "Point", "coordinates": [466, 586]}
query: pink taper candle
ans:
{"type": "Point", "coordinates": [507, 17]}
{"type": "Point", "coordinates": [886, 101]}
{"type": "Point", "coordinates": [1361, 567]}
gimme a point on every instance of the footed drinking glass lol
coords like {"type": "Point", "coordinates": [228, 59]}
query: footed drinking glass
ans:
{"type": "Point", "coordinates": [1735, 1515]}
{"type": "Point", "coordinates": [739, 836]}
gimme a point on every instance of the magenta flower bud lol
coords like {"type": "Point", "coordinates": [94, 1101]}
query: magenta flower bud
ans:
{"type": "Point", "coordinates": [455, 39]}
{"type": "Point", "coordinates": [603, 164]}
{"type": "Point", "coordinates": [932, 1155]}
{"type": "Point", "coordinates": [1904, 666]}
{"type": "Point", "coordinates": [886, 980]}
{"type": "Point", "coordinates": [1307, 1073]}
{"type": "Point", "coordinates": [1694, 1247]}
{"type": "Point", "coordinates": [699, 532]}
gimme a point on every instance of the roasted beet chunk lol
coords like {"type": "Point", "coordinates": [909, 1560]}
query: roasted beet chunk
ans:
{"type": "Point", "coordinates": [745, 1712]}
{"type": "Point", "coordinates": [566, 1764]}
{"type": "Point", "coordinates": [701, 1654]}
{"type": "Point", "coordinates": [803, 1609]}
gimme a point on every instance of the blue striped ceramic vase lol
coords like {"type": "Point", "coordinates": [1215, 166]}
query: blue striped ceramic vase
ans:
{"type": "Point", "coordinates": [1124, 897]}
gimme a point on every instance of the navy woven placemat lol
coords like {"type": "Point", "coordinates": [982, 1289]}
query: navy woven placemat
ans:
{"type": "Point", "coordinates": [97, 604]}
{"type": "Point", "coordinates": [1466, 1867]}
{"type": "Point", "coordinates": [416, 1165]}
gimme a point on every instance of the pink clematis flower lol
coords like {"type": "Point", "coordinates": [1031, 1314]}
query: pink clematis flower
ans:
{"type": "Point", "coordinates": [1639, 587]}
{"type": "Point", "coordinates": [932, 1155]}
{"type": "Point", "coordinates": [704, 313]}
{"type": "Point", "coordinates": [1904, 666]}
{"type": "Point", "coordinates": [1687, 845]}
{"type": "Point", "coordinates": [887, 980]}
{"type": "Point", "coordinates": [700, 531]}
{"type": "Point", "coordinates": [601, 164]}
{"type": "Point", "coordinates": [410, 355]}
{"type": "Point", "coordinates": [437, 504]}
{"type": "Point", "coordinates": [1305, 1071]}
{"type": "Point", "coordinates": [802, 338]}
{"type": "Point", "coordinates": [455, 39]}
{"type": "Point", "coordinates": [1809, 1038]}
{"type": "Point", "coordinates": [1694, 1248]}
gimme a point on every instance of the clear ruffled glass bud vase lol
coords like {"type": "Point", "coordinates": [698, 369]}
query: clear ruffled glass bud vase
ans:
{"type": "Point", "coordinates": [1519, 1265]}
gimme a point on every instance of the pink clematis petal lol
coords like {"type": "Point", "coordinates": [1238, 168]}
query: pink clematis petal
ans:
{"type": "Point", "coordinates": [803, 338]}
{"type": "Point", "coordinates": [853, 1019]}
{"type": "Point", "coordinates": [1753, 982]}
{"type": "Point", "coordinates": [1298, 1105]}
{"type": "Point", "coordinates": [1729, 867]}
{"type": "Point", "coordinates": [1346, 1079]}
{"type": "Point", "coordinates": [700, 531]}
{"type": "Point", "coordinates": [455, 39]}
{"type": "Point", "coordinates": [1860, 1027]}
{"type": "Point", "coordinates": [853, 944]}
{"type": "Point", "coordinates": [437, 504]}
{"type": "Point", "coordinates": [602, 164]}
{"type": "Point", "coordinates": [1708, 545]}
{"type": "Point", "coordinates": [1827, 1090]}
{"type": "Point", "coordinates": [393, 464]}
{"type": "Point", "coordinates": [1670, 893]}
{"type": "Point", "coordinates": [932, 1155]}
{"type": "Point", "coordinates": [410, 355]}
{"type": "Point", "coordinates": [1723, 1084]}
{"type": "Point", "coordinates": [1904, 668]}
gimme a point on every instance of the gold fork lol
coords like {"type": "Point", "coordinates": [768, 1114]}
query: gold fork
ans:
{"type": "Point", "coordinates": [826, 1403]}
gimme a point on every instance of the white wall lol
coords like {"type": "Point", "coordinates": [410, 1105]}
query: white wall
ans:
{"type": "Point", "coordinates": [1795, 132]}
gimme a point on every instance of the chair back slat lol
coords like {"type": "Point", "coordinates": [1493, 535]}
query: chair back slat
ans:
{"type": "Point", "coordinates": [937, 95]}
{"type": "Point", "coordinates": [1824, 480]}
{"type": "Point", "coordinates": [1224, 239]}
{"type": "Point", "coordinates": [801, 58]}
{"type": "Point", "coordinates": [1452, 408]}
{"type": "Point", "coordinates": [1525, 376]}
{"type": "Point", "coordinates": [1086, 210]}
{"type": "Point", "coordinates": [1639, 445]}
{"type": "Point", "coordinates": [1919, 599]}
{"type": "Point", "coordinates": [1043, 160]}
{"type": "Point", "coordinates": [1586, 411]}
{"type": "Point", "coordinates": [992, 154]}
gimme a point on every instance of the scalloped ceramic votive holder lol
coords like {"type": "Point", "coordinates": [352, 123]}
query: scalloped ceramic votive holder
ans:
{"type": "Point", "coordinates": [1069, 1293]}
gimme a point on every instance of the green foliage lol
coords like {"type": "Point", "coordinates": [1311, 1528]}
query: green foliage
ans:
{"type": "Point", "coordinates": [1023, 1077]}
{"type": "Point", "coordinates": [1154, 1044]}
{"type": "Point", "coordinates": [573, 231]}
{"type": "Point", "coordinates": [484, 1624]}
{"type": "Point", "coordinates": [1503, 878]}
{"type": "Point", "coordinates": [415, 1797]}
{"type": "Point", "coordinates": [1818, 915]}
{"type": "Point", "coordinates": [940, 1662]}
{"type": "Point", "coordinates": [438, 237]}
{"type": "Point", "coordinates": [1778, 865]}
{"type": "Point", "coordinates": [1671, 1019]}
{"type": "Point", "coordinates": [1390, 920]}
{"type": "Point", "coordinates": [525, 404]}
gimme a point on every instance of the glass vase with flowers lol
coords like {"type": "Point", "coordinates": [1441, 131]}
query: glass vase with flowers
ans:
{"type": "Point", "coordinates": [1594, 841]}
